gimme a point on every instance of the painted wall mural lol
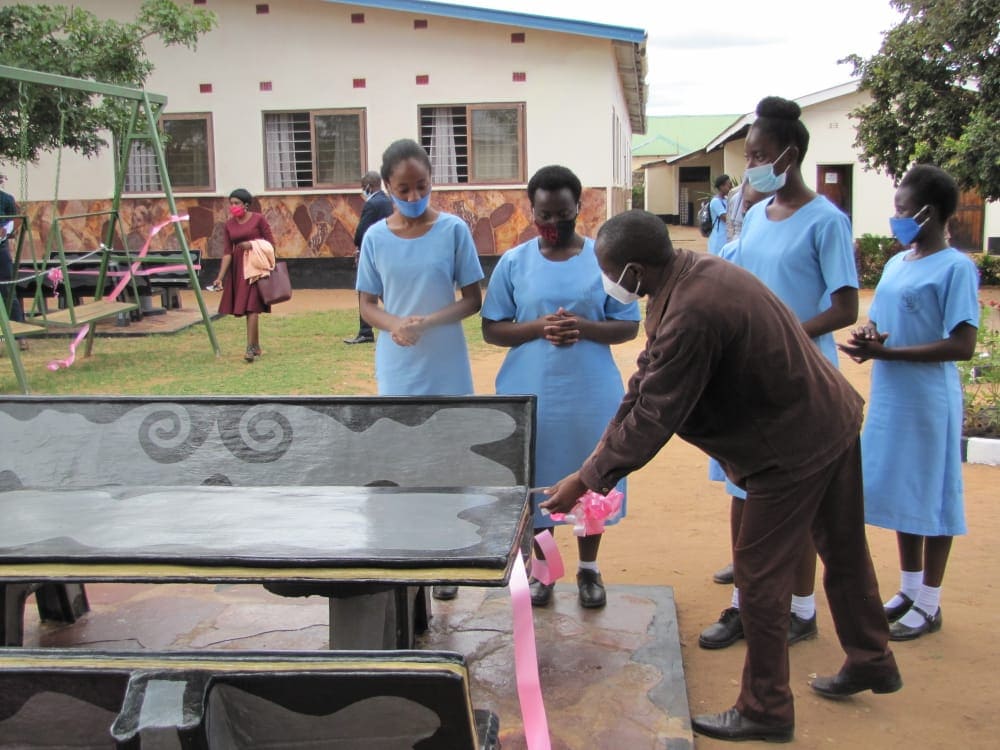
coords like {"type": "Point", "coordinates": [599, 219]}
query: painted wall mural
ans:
{"type": "Point", "coordinates": [304, 225]}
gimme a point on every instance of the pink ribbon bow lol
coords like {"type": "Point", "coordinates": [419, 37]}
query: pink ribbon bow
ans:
{"type": "Point", "coordinates": [592, 511]}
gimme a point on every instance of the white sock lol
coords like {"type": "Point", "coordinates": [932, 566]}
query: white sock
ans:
{"type": "Point", "coordinates": [736, 598]}
{"type": "Point", "coordinates": [910, 582]}
{"type": "Point", "coordinates": [589, 566]}
{"type": "Point", "coordinates": [929, 600]}
{"type": "Point", "coordinates": [804, 607]}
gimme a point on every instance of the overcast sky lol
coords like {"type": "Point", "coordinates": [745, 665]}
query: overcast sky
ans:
{"type": "Point", "coordinates": [749, 49]}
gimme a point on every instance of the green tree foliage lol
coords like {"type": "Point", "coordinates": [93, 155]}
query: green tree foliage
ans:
{"type": "Point", "coordinates": [74, 42]}
{"type": "Point", "coordinates": [935, 87]}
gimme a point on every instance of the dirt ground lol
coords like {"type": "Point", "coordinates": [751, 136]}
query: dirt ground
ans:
{"type": "Point", "coordinates": [676, 534]}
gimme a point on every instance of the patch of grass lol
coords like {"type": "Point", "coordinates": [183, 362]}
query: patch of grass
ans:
{"type": "Point", "coordinates": [303, 355]}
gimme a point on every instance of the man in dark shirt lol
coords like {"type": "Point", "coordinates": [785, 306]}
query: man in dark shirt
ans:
{"type": "Point", "coordinates": [729, 368]}
{"type": "Point", "coordinates": [377, 206]}
{"type": "Point", "coordinates": [8, 209]}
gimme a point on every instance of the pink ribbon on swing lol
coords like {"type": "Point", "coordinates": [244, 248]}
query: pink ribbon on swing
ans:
{"type": "Point", "coordinates": [55, 275]}
{"type": "Point", "coordinates": [57, 363]}
{"type": "Point", "coordinates": [134, 270]}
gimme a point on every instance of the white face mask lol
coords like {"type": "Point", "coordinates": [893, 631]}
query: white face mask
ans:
{"type": "Point", "coordinates": [616, 291]}
{"type": "Point", "coordinates": [763, 179]}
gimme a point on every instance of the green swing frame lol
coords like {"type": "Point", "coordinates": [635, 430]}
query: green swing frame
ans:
{"type": "Point", "coordinates": [144, 113]}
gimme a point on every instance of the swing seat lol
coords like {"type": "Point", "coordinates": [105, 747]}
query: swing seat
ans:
{"type": "Point", "coordinates": [23, 329]}
{"type": "Point", "coordinates": [89, 312]}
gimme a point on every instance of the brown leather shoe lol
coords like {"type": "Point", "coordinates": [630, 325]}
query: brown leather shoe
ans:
{"type": "Point", "coordinates": [732, 725]}
{"type": "Point", "coordinates": [842, 685]}
{"type": "Point", "coordinates": [591, 588]}
{"type": "Point", "coordinates": [724, 575]}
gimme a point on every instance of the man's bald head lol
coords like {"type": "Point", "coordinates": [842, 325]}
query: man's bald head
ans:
{"type": "Point", "coordinates": [633, 237]}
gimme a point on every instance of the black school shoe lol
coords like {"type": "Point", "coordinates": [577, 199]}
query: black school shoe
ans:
{"type": "Point", "coordinates": [723, 633]}
{"type": "Point", "coordinates": [900, 632]}
{"type": "Point", "coordinates": [800, 629]}
{"type": "Point", "coordinates": [591, 588]}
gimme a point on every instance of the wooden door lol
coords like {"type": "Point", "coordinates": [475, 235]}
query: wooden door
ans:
{"type": "Point", "coordinates": [966, 226]}
{"type": "Point", "coordinates": [834, 182]}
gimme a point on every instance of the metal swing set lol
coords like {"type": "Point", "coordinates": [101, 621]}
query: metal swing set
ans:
{"type": "Point", "coordinates": [144, 109]}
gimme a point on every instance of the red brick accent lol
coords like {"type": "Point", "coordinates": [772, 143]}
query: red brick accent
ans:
{"type": "Point", "coordinates": [204, 88]}
{"type": "Point", "coordinates": [517, 37]}
{"type": "Point", "coordinates": [519, 77]}
{"type": "Point", "coordinates": [423, 80]}
{"type": "Point", "coordinates": [420, 23]}
{"type": "Point", "coordinates": [263, 9]}
{"type": "Point", "coordinates": [359, 83]}
{"type": "Point", "coordinates": [265, 85]}
{"type": "Point", "coordinates": [357, 17]}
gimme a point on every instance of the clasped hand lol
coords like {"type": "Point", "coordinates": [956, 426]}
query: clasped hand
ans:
{"type": "Point", "coordinates": [409, 330]}
{"type": "Point", "coordinates": [561, 328]}
{"type": "Point", "coordinates": [866, 343]}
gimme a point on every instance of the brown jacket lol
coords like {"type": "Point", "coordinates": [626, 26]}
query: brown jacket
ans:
{"type": "Point", "coordinates": [730, 369]}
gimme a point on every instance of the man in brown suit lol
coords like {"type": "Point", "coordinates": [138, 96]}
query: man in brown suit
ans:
{"type": "Point", "coordinates": [729, 368]}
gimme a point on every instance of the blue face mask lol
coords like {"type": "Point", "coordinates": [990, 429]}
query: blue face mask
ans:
{"type": "Point", "coordinates": [906, 229]}
{"type": "Point", "coordinates": [763, 179]}
{"type": "Point", "coordinates": [413, 209]}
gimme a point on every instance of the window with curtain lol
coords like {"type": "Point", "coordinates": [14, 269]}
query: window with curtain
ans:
{"type": "Point", "coordinates": [314, 149]}
{"type": "Point", "coordinates": [189, 153]}
{"type": "Point", "coordinates": [474, 143]}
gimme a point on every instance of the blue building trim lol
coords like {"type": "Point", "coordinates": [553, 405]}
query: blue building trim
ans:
{"type": "Point", "coordinates": [506, 18]}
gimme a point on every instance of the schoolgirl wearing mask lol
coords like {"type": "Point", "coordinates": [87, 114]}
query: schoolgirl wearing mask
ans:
{"type": "Point", "coordinates": [550, 304]}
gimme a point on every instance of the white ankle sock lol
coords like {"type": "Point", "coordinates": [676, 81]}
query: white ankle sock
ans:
{"type": "Point", "coordinates": [910, 582]}
{"type": "Point", "coordinates": [589, 566]}
{"type": "Point", "coordinates": [929, 600]}
{"type": "Point", "coordinates": [804, 607]}
{"type": "Point", "coordinates": [736, 598]}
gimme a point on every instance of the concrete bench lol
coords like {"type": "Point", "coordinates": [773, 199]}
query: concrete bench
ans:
{"type": "Point", "coordinates": [85, 443]}
{"type": "Point", "coordinates": [216, 700]}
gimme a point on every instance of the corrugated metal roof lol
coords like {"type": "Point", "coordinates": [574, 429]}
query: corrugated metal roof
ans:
{"type": "Point", "coordinates": [680, 134]}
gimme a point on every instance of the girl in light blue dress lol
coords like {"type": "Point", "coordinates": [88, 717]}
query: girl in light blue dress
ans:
{"type": "Point", "coordinates": [718, 208]}
{"type": "Point", "coordinates": [410, 266]}
{"type": "Point", "coordinates": [546, 301]}
{"type": "Point", "coordinates": [800, 245]}
{"type": "Point", "coordinates": [922, 319]}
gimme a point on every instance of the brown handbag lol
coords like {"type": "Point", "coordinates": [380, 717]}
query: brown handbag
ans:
{"type": "Point", "coordinates": [277, 287]}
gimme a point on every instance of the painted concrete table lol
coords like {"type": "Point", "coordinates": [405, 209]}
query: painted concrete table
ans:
{"type": "Point", "coordinates": [465, 536]}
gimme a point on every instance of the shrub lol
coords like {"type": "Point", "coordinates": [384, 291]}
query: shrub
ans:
{"type": "Point", "coordinates": [989, 269]}
{"type": "Point", "coordinates": [871, 252]}
{"type": "Point", "coordinates": [981, 379]}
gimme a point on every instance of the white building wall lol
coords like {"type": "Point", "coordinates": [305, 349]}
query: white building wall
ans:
{"type": "Point", "coordinates": [311, 52]}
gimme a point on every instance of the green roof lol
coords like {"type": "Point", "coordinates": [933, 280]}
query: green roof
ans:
{"type": "Point", "coordinates": [681, 134]}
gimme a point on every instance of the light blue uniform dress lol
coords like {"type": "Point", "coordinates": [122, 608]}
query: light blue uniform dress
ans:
{"type": "Point", "coordinates": [418, 277]}
{"type": "Point", "coordinates": [717, 207]}
{"type": "Point", "coordinates": [911, 442]}
{"type": "Point", "coordinates": [802, 259]}
{"type": "Point", "coordinates": [579, 387]}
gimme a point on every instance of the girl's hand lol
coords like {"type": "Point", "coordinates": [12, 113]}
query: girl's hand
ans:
{"type": "Point", "coordinates": [866, 343]}
{"type": "Point", "coordinates": [409, 330]}
{"type": "Point", "coordinates": [561, 328]}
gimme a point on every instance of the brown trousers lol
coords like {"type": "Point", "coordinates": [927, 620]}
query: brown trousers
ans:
{"type": "Point", "coordinates": [777, 518]}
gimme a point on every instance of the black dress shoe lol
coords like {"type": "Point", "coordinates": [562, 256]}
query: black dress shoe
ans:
{"type": "Point", "coordinates": [732, 725]}
{"type": "Point", "coordinates": [591, 588]}
{"type": "Point", "coordinates": [359, 339]}
{"type": "Point", "coordinates": [800, 629]}
{"type": "Point", "coordinates": [724, 575]}
{"type": "Point", "coordinates": [894, 613]}
{"type": "Point", "coordinates": [725, 632]}
{"type": "Point", "coordinates": [841, 685]}
{"type": "Point", "coordinates": [444, 593]}
{"type": "Point", "coordinates": [541, 593]}
{"type": "Point", "coordinates": [900, 632]}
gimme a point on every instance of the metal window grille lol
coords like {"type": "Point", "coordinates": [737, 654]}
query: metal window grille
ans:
{"type": "Point", "coordinates": [187, 151]}
{"type": "Point", "coordinates": [305, 149]}
{"type": "Point", "coordinates": [472, 144]}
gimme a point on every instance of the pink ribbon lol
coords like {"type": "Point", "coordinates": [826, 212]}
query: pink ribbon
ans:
{"type": "Point", "coordinates": [529, 689]}
{"type": "Point", "coordinates": [550, 569]}
{"type": "Point", "coordinates": [57, 363]}
{"type": "Point", "coordinates": [134, 270]}
{"type": "Point", "coordinates": [592, 511]}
